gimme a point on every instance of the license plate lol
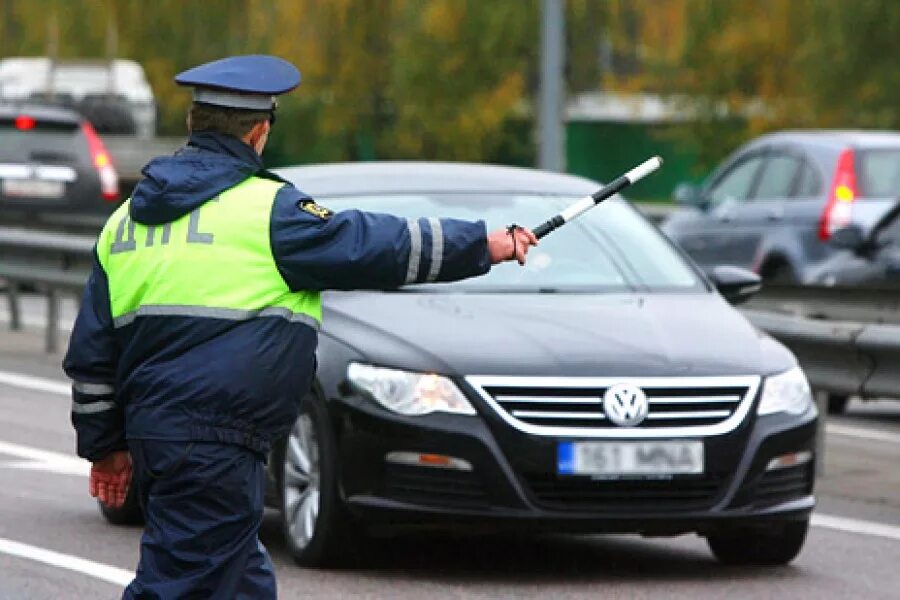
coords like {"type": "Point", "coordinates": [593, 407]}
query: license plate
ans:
{"type": "Point", "coordinates": [33, 188]}
{"type": "Point", "coordinates": [623, 459]}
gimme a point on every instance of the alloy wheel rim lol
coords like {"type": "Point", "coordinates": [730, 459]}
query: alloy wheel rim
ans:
{"type": "Point", "coordinates": [301, 482]}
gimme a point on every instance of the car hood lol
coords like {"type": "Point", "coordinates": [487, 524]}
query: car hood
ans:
{"type": "Point", "coordinates": [552, 334]}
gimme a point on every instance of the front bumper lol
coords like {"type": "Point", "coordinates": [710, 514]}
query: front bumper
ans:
{"type": "Point", "coordinates": [513, 482]}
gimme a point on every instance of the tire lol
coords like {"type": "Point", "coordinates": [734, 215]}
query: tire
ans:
{"type": "Point", "coordinates": [764, 547]}
{"type": "Point", "coordinates": [837, 404]}
{"type": "Point", "coordinates": [129, 513]}
{"type": "Point", "coordinates": [317, 527]}
{"type": "Point", "coordinates": [779, 274]}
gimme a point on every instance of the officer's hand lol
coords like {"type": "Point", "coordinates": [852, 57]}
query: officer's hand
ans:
{"type": "Point", "coordinates": [110, 478]}
{"type": "Point", "coordinates": [504, 244]}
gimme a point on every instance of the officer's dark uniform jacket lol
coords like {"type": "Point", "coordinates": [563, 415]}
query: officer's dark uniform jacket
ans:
{"type": "Point", "coordinates": [195, 373]}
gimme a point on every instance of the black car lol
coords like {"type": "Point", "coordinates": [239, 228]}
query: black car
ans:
{"type": "Point", "coordinates": [774, 203]}
{"type": "Point", "coordinates": [54, 169]}
{"type": "Point", "coordinates": [604, 387]}
{"type": "Point", "coordinates": [866, 258]}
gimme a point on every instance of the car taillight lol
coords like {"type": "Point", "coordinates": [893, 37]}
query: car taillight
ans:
{"type": "Point", "coordinates": [843, 194]}
{"type": "Point", "coordinates": [109, 179]}
{"type": "Point", "coordinates": [24, 122]}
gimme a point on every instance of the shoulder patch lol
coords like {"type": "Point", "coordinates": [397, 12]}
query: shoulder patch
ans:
{"type": "Point", "coordinates": [310, 206]}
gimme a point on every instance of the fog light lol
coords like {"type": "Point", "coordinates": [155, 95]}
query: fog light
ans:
{"type": "Point", "coordinates": [421, 459]}
{"type": "Point", "coordinates": [789, 460]}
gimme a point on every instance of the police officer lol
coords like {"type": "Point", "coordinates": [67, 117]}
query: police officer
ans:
{"type": "Point", "coordinates": [197, 333]}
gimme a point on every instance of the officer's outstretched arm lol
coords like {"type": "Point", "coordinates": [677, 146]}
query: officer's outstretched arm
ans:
{"type": "Point", "coordinates": [91, 363]}
{"type": "Point", "coordinates": [316, 249]}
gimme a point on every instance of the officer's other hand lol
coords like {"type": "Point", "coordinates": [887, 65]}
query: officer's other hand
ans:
{"type": "Point", "coordinates": [503, 246]}
{"type": "Point", "coordinates": [110, 478]}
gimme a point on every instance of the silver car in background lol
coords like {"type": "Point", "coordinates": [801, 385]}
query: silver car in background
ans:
{"type": "Point", "coordinates": [775, 202]}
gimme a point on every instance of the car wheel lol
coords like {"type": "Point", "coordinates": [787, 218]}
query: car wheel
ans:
{"type": "Point", "coordinates": [837, 404]}
{"type": "Point", "coordinates": [315, 523]}
{"type": "Point", "coordinates": [779, 274]}
{"type": "Point", "coordinates": [129, 513]}
{"type": "Point", "coordinates": [767, 547]}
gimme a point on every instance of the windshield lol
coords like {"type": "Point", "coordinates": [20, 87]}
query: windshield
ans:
{"type": "Point", "coordinates": [610, 248]}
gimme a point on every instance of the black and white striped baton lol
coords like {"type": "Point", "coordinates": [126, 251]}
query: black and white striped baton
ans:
{"type": "Point", "coordinates": [588, 202]}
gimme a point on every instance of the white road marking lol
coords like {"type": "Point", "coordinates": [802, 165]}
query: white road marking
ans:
{"type": "Point", "coordinates": [856, 526]}
{"type": "Point", "coordinates": [80, 470]}
{"type": "Point", "coordinates": [863, 433]}
{"type": "Point", "coordinates": [34, 458]}
{"type": "Point", "coordinates": [66, 561]}
{"type": "Point", "coordinates": [43, 460]}
{"type": "Point", "coordinates": [40, 384]}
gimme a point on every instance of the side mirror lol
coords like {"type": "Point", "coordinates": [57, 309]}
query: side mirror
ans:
{"type": "Point", "coordinates": [736, 285]}
{"type": "Point", "coordinates": [850, 237]}
{"type": "Point", "coordinates": [687, 194]}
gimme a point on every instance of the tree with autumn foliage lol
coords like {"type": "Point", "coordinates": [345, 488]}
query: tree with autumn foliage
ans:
{"type": "Point", "coordinates": [775, 64]}
{"type": "Point", "coordinates": [381, 78]}
{"type": "Point", "coordinates": [455, 79]}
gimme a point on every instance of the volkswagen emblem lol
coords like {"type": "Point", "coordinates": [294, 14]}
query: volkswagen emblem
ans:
{"type": "Point", "coordinates": [625, 404]}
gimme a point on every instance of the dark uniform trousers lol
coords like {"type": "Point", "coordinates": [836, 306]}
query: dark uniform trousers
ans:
{"type": "Point", "coordinates": [204, 506]}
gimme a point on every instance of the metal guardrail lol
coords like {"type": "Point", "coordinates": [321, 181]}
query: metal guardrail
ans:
{"type": "Point", "coordinates": [51, 263]}
{"type": "Point", "coordinates": [840, 357]}
{"type": "Point", "coordinates": [825, 303]}
{"type": "Point", "coordinates": [846, 339]}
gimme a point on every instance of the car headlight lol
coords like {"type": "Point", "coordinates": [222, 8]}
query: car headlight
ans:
{"type": "Point", "coordinates": [787, 392]}
{"type": "Point", "coordinates": [409, 393]}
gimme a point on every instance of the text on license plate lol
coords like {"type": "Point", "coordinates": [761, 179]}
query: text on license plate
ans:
{"type": "Point", "coordinates": [34, 188]}
{"type": "Point", "coordinates": [630, 458]}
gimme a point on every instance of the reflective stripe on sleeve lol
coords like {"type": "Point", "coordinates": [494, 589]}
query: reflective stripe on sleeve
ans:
{"type": "Point", "coordinates": [90, 408]}
{"type": "Point", "coordinates": [415, 250]}
{"type": "Point", "coordinates": [93, 389]}
{"type": "Point", "coordinates": [212, 312]}
{"type": "Point", "coordinates": [437, 249]}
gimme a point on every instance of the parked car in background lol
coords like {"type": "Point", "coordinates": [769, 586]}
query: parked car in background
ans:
{"type": "Point", "coordinates": [774, 203]}
{"type": "Point", "coordinates": [864, 258]}
{"type": "Point", "coordinates": [113, 95]}
{"type": "Point", "coordinates": [53, 168]}
{"type": "Point", "coordinates": [612, 415]}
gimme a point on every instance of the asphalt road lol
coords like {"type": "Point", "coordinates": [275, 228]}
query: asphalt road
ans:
{"type": "Point", "coordinates": [54, 544]}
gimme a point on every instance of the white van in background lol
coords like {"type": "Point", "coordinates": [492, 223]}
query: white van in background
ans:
{"type": "Point", "coordinates": [113, 94]}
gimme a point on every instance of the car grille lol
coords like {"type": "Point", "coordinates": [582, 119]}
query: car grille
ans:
{"type": "Point", "coordinates": [583, 494]}
{"type": "Point", "coordinates": [434, 486]}
{"type": "Point", "coordinates": [574, 406]}
{"type": "Point", "coordinates": [786, 484]}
